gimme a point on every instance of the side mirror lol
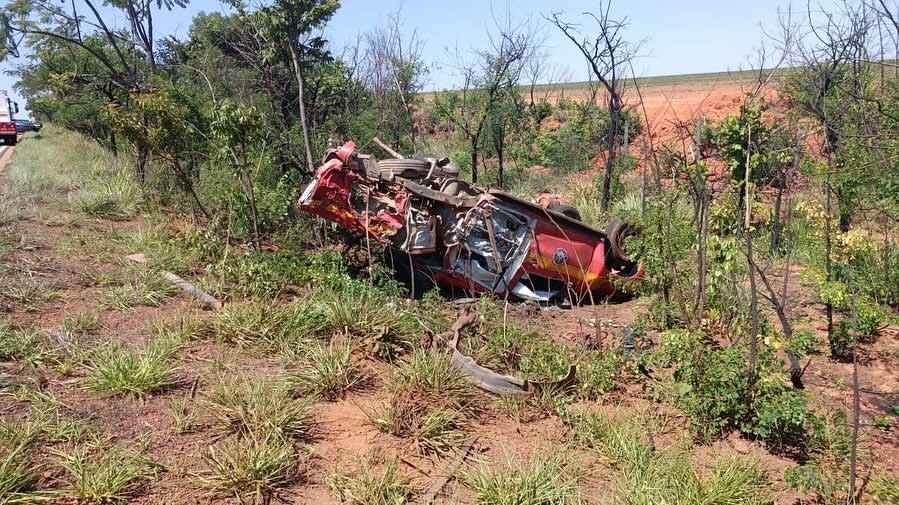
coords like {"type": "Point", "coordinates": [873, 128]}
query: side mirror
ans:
{"type": "Point", "coordinates": [16, 106]}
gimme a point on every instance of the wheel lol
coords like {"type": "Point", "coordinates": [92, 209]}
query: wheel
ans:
{"type": "Point", "coordinates": [566, 210]}
{"type": "Point", "coordinates": [618, 232]}
{"type": "Point", "coordinates": [407, 169]}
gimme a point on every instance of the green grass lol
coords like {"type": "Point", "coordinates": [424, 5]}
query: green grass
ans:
{"type": "Point", "coordinates": [143, 286]}
{"type": "Point", "coordinates": [116, 371]}
{"type": "Point", "coordinates": [428, 401]}
{"type": "Point", "coordinates": [272, 328]}
{"type": "Point", "coordinates": [97, 473]}
{"type": "Point", "coordinates": [545, 478]}
{"type": "Point", "coordinates": [82, 322]}
{"type": "Point", "coordinates": [246, 406]}
{"type": "Point", "coordinates": [327, 371]}
{"type": "Point", "coordinates": [18, 344]}
{"type": "Point", "coordinates": [647, 475]}
{"type": "Point", "coordinates": [251, 468]}
{"type": "Point", "coordinates": [374, 482]}
{"type": "Point", "coordinates": [113, 194]}
{"type": "Point", "coordinates": [184, 414]}
{"type": "Point", "coordinates": [19, 473]}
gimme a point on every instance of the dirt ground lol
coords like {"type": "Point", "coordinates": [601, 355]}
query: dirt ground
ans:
{"type": "Point", "coordinates": [342, 429]}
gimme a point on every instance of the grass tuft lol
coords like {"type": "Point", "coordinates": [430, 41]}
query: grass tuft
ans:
{"type": "Point", "coordinates": [101, 474]}
{"type": "Point", "coordinates": [18, 472]}
{"type": "Point", "coordinates": [183, 414]}
{"type": "Point", "coordinates": [247, 406]}
{"type": "Point", "coordinates": [143, 287]}
{"type": "Point", "coordinates": [252, 468]}
{"type": "Point", "coordinates": [115, 371]}
{"type": "Point", "coordinates": [327, 371]}
{"type": "Point", "coordinates": [82, 322]}
{"type": "Point", "coordinates": [375, 482]}
{"type": "Point", "coordinates": [428, 401]}
{"type": "Point", "coordinates": [543, 479]}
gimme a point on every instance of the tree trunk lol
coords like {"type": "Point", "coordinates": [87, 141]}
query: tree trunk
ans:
{"type": "Point", "coordinates": [611, 144]}
{"type": "Point", "coordinates": [295, 59]}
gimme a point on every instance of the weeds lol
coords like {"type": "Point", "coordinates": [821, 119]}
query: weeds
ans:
{"type": "Point", "coordinates": [145, 287]}
{"type": "Point", "coordinates": [113, 195]}
{"type": "Point", "coordinates": [647, 476]}
{"type": "Point", "coordinates": [115, 371]}
{"type": "Point", "coordinates": [183, 414]}
{"type": "Point", "coordinates": [428, 401]}
{"type": "Point", "coordinates": [375, 482]}
{"type": "Point", "coordinates": [101, 474]}
{"type": "Point", "coordinates": [246, 406]}
{"type": "Point", "coordinates": [328, 371]}
{"type": "Point", "coordinates": [544, 479]}
{"type": "Point", "coordinates": [253, 467]}
{"type": "Point", "coordinates": [82, 322]}
{"type": "Point", "coordinates": [18, 473]}
{"type": "Point", "coordinates": [23, 345]}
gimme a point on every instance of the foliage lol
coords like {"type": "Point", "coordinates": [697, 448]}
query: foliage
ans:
{"type": "Point", "coordinates": [545, 478]}
{"type": "Point", "coordinates": [114, 371]}
{"type": "Point", "coordinates": [251, 467]}
{"type": "Point", "coordinates": [375, 482]}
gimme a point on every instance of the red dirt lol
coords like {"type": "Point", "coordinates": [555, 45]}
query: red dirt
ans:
{"type": "Point", "coordinates": [343, 433]}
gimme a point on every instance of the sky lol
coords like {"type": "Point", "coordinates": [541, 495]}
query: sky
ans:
{"type": "Point", "coordinates": [678, 36]}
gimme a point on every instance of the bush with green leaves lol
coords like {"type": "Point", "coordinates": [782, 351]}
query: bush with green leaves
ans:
{"type": "Point", "coordinates": [719, 393]}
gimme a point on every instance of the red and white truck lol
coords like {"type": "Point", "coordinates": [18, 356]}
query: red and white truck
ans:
{"type": "Point", "coordinates": [8, 135]}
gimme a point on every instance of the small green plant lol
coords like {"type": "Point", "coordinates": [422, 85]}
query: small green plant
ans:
{"type": "Point", "coordinates": [545, 478]}
{"type": "Point", "coordinates": [184, 414]}
{"type": "Point", "coordinates": [327, 371]}
{"type": "Point", "coordinates": [884, 423]}
{"type": "Point", "coordinates": [115, 371]}
{"type": "Point", "coordinates": [440, 431]}
{"type": "Point", "coordinates": [424, 386]}
{"type": "Point", "coordinates": [375, 482]}
{"type": "Point", "coordinates": [22, 345]}
{"type": "Point", "coordinates": [252, 467]}
{"type": "Point", "coordinates": [18, 472]}
{"type": "Point", "coordinates": [82, 322]}
{"type": "Point", "coordinates": [245, 406]}
{"type": "Point", "coordinates": [144, 287]}
{"type": "Point", "coordinates": [99, 473]}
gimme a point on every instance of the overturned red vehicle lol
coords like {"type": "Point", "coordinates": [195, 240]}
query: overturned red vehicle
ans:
{"type": "Point", "coordinates": [441, 230]}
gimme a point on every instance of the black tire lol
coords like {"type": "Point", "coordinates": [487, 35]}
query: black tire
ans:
{"type": "Point", "coordinates": [566, 210]}
{"type": "Point", "coordinates": [12, 140]}
{"type": "Point", "coordinates": [407, 169]}
{"type": "Point", "coordinates": [617, 233]}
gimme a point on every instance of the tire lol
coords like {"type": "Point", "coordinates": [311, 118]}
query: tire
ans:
{"type": "Point", "coordinates": [566, 210]}
{"type": "Point", "coordinates": [617, 233]}
{"type": "Point", "coordinates": [407, 169]}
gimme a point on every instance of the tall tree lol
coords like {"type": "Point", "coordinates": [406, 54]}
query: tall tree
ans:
{"type": "Point", "coordinates": [290, 23]}
{"type": "Point", "coordinates": [608, 55]}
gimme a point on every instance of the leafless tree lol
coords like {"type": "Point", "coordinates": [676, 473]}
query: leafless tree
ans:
{"type": "Point", "coordinates": [608, 55]}
{"type": "Point", "coordinates": [393, 71]}
{"type": "Point", "coordinates": [492, 74]}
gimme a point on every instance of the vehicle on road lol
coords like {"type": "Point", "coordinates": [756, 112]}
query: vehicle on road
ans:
{"type": "Point", "coordinates": [24, 125]}
{"type": "Point", "coordinates": [8, 132]}
{"type": "Point", "coordinates": [438, 229]}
